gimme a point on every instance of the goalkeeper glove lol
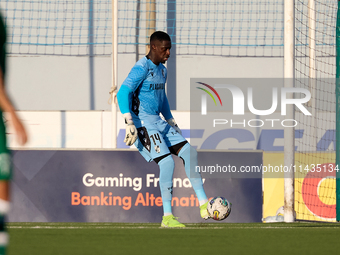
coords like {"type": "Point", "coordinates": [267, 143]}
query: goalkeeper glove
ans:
{"type": "Point", "coordinates": [173, 123]}
{"type": "Point", "coordinates": [131, 131]}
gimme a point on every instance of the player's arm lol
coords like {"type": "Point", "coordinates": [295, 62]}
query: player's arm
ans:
{"type": "Point", "coordinates": [131, 83]}
{"type": "Point", "coordinates": [6, 106]}
{"type": "Point", "coordinates": [168, 115]}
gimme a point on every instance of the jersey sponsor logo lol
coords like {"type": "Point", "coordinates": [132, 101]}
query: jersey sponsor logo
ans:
{"type": "Point", "coordinates": [157, 86]}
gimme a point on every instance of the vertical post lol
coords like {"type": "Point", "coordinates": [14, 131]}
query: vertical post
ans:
{"type": "Point", "coordinates": [91, 54]}
{"type": "Point", "coordinates": [337, 94]}
{"type": "Point", "coordinates": [114, 72]}
{"type": "Point", "coordinates": [312, 71]}
{"type": "Point", "coordinates": [63, 129]}
{"type": "Point", "coordinates": [289, 147]}
{"type": "Point", "coordinates": [171, 90]}
{"type": "Point", "coordinates": [137, 29]}
{"type": "Point", "coordinates": [150, 21]}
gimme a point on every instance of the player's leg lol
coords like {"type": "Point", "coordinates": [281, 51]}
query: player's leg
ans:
{"type": "Point", "coordinates": [180, 147]}
{"type": "Point", "coordinates": [5, 173]}
{"type": "Point", "coordinates": [152, 146]}
{"type": "Point", "coordinates": [189, 156]}
{"type": "Point", "coordinates": [4, 208]}
{"type": "Point", "coordinates": [166, 168]}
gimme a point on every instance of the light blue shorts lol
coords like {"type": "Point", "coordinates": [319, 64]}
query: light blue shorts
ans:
{"type": "Point", "coordinates": [155, 139]}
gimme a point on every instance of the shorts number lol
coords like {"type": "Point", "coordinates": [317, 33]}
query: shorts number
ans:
{"type": "Point", "coordinates": [155, 137]}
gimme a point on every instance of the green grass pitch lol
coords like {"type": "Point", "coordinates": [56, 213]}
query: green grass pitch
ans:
{"type": "Point", "coordinates": [128, 238]}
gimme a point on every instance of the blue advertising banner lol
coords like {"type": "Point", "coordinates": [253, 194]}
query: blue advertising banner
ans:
{"type": "Point", "coordinates": [120, 186]}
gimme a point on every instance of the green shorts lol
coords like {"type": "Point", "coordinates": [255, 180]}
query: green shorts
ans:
{"type": "Point", "coordinates": [5, 157]}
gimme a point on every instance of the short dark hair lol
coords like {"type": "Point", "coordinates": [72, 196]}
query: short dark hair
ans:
{"type": "Point", "coordinates": [160, 36]}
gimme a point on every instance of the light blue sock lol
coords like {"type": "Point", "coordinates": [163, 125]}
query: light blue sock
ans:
{"type": "Point", "coordinates": [189, 155]}
{"type": "Point", "coordinates": [166, 167]}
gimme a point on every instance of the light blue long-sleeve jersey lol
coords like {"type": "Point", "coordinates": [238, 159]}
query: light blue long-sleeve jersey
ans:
{"type": "Point", "coordinates": [143, 93]}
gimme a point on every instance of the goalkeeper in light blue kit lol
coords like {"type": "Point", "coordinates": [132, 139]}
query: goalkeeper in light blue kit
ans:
{"type": "Point", "coordinates": [141, 99]}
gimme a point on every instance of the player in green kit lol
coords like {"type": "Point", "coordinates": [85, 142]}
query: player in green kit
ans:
{"type": "Point", "coordinates": [5, 159]}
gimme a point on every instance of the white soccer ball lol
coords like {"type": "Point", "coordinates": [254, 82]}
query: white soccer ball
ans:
{"type": "Point", "coordinates": [219, 208]}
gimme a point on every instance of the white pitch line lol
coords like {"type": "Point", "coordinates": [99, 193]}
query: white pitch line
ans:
{"type": "Point", "coordinates": [155, 227]}
{"type": "Point", "coordinates": [98, 227]}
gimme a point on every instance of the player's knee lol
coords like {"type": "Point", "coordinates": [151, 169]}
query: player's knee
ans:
{"type": "Point", "coordinates": [159, 159]}
{"type": "Point", "coordinates": [167, 166]}
{"type": "Point", "coordinates": [167, 161]}
{"type": "Point", "coordinates": [193, 153]}
{"type": "Point", "coordinates": [188, 153]}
